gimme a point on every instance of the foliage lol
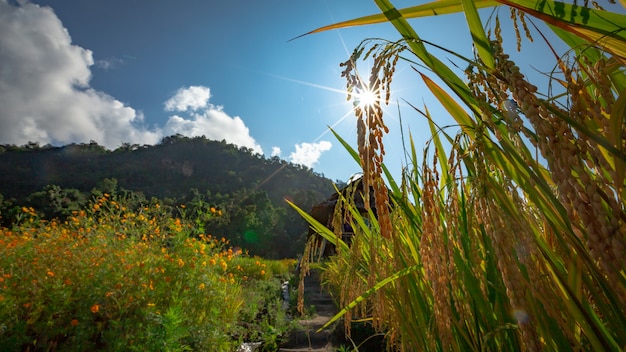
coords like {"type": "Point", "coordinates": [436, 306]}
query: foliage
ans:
{"type": "Point", "coordinates": [509, 234]}
{"type": "Point", "coordinates": [116, 278]}
{"type": "Point", "coordinates": [192, 171]}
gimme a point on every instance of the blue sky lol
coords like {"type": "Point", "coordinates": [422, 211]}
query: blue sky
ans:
{"type": "Point", "coordinates": [118, 71]}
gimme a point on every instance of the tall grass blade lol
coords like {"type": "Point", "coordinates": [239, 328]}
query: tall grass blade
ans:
{"type": "Point", "coordinates": [369, 292]}
{"type": "Point", "coordinates": [434, 8]}
{"type": "Point", "coordinates": [481, 43]}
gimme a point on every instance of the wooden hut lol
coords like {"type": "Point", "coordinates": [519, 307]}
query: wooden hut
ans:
{"type": "Point", "coordinates": [324, 212]}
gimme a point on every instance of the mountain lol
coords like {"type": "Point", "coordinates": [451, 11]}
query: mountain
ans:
{"type": "Point", "coordinates": [249, 187]}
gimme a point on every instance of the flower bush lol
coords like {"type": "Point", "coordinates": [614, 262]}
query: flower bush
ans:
{"type": "Point", "coordinates": [114, 278]}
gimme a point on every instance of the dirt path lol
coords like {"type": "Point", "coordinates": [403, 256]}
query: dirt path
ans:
{"type": "Point", "coordinates": [307, 339]}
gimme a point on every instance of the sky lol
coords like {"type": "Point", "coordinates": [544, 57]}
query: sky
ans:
{"type": "Point", "coordinates": [133, 71]}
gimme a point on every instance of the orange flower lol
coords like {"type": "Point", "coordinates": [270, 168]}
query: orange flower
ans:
{"type": "Point", "coordinates": [50, 273]}
{"type": "Point", "coordinates": [95, 308]}
{"type": "Point", "coordinates": [74, 322]}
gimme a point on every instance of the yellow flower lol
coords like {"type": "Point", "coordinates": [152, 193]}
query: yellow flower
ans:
{"type": "Point", "coordinates": [181, 263]}
{"type": "Point", "coordinates": [201, 286]}
{"type": "Point", "coordinates": [262, 272]}
{"type": "Point", "coordinates": [150, 304]}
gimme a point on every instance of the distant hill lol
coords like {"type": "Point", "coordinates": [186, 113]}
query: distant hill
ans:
{"type": "Point", "coordinates": [177, 170]}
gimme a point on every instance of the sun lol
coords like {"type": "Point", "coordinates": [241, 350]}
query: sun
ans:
{"type": "Point", "coordinates": [366, 98]}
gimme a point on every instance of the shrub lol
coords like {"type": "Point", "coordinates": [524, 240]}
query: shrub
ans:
{"type": "Point", "coordinates": [111, 278]}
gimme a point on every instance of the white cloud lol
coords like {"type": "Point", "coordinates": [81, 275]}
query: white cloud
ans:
{"type": "Point", "coordinates": [109, 63]}
{"type": "Point", "coordinates": [276, 151]}
{"type": "Point", "coordinates": [211, 122]}
{"type": "Point", "coordinates": [191, 98]}
{"type": "Point", "coordinates": [45, 95]}
{"type": "Point", "coordinates": [308, 154]}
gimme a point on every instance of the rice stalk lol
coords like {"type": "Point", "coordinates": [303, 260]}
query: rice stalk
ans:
{"type": "Point", "coordinates": [512, 238]}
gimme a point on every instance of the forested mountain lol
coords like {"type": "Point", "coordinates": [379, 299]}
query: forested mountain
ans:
{"type": "Point", "coordinates": [249, 188]}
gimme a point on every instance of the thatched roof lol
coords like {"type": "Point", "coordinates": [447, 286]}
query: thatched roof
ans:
{"type": "Point", "coordinates": [324, 211]}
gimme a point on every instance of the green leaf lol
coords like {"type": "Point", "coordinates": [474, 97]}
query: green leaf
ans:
{"type": "Point", "coordinates": [369, 292]}
{"type": "Point", "coordinates": [441, 152]}
{"type": "Point", "coordinates": [599, 28]}
{"type": "Point", "coordinates": [434, 8]}
{"type": "Point", "coordinates": [322, 230]}
{"type": "Point", "coordinates": [616, 123]}
{"type": "Point", "coordinates": [456, 111]}
{"type": "Point", "coordinates": [353, 153]}
{"type": "Point", "coordinates": [481, 43]}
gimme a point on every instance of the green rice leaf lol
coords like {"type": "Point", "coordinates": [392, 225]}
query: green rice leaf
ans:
{"type": "Point", "coordinates": [599, 28]}
{"type": "Point", "coordinates": [353, 153]}
{"type": "Point", "coordinates": [434, 8]}
{"type": "Point", "coordinates": [322, 230]}
{"type": "Point", "coordinates": [616, 123]}
{"type": "Point", "coordinates": [441, 152]}
{"type": "Point", "coordinates": [369, 292]}
{"type": "Point", "coordinates": [481, 43]}
{"type": "Point", "coordinates": [456, 111]}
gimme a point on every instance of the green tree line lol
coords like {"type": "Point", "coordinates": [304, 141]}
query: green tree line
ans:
{"type": "Point", "coordinates": [191, 176]}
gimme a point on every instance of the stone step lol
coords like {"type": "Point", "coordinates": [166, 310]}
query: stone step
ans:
{"type": "Point", "coordinates": [307, 338]}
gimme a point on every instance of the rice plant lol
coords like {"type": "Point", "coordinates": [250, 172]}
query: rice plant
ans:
{"type": "Point", "coordinates": [510, 233]}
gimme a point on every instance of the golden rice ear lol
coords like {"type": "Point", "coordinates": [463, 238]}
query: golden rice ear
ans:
{"type": "Point", "coordinates": [515, 16]}
{"type": "Point", "coordinates": [370, 123]}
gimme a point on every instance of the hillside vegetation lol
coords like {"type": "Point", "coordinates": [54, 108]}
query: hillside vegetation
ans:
{"type": "Point", "coordinates": [190, 175]}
